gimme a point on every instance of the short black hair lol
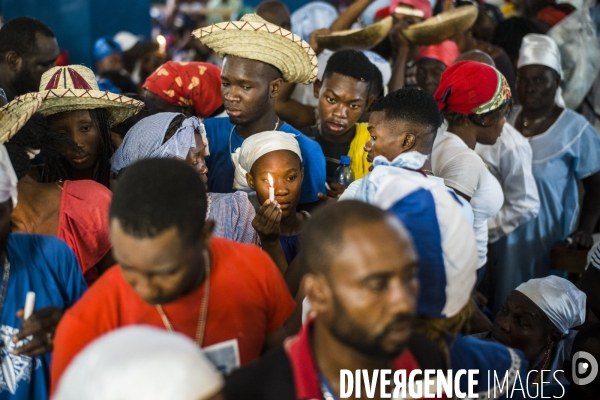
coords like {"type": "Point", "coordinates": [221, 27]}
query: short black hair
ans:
{"type": "Point", "coordinates": [351, 63]}
{"type": "Point", "coordinates": [323, 235]}
{"type": "Point", "coordinates": [19, 35]}
{"type": "Point", "coordinates": [412, 105]}
{"type": "Point", "coordinates": [35, 134]}
{"type": "Point", "coordinates": [509, 34]}
{"type": "Point", "coordinates": [157, 194]}
{"type": "Point", "coordinates": [377, 85]}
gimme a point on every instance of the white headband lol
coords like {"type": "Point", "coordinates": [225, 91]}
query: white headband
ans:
{"type": "Point", "coordinates": [539, 50]}
{"type": "Point", "coordinates": [8, 178]}
{"type": "Point", "coordinates": [558, 298]}
{"type": "Point", "coordinates": [257, 146]}
{"type": "Point", "coordinates": [140, 362]}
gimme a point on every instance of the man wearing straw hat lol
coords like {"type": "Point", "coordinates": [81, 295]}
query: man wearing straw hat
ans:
{"type": "Point", "coordinates": [258, 58]}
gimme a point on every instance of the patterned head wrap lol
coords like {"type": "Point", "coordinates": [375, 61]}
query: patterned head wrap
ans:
{"type": "Point", "coordinates": [257, 146]}
{"type": "Point", "coordinates": [193, 84]}
{"type": "Point", "coordinates": [140, 362]}
{"type": "Point", "coordinates": [470, 87]}
{"type": "Point", "coordinates": [145, 140]}
{"type": "Point", "coordinates": [559, 299]}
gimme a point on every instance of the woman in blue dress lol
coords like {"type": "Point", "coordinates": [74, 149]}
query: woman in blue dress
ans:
{"type": "Point", "coordinates": [566, 150]}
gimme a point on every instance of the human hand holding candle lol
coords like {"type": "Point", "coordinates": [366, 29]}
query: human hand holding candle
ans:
{"type": "Point", "coordinates": [271, 188]}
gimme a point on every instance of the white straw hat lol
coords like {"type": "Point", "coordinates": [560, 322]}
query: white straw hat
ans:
{"type": "Point", "coordinates": [74, 87]}
{"type": "Point", "coordinates": [254, 38]}
{"type": "Point", "coordinates": [16, 114]}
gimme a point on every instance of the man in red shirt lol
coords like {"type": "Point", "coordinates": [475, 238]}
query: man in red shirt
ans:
{"type": "Point", "coordinates": [172, 274]}
{"type": "Point", "coordinates": [362, 285]}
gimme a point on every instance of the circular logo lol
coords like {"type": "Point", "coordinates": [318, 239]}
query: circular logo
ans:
{"type": "Point", "coordinates": [585, 368]}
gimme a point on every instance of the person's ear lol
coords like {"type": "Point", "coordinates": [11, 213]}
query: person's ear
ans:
{"type": "Point", "coordinates": [370, 101]}
{"type": "Point", "coordinates": [207, 231]}
{"type": "Point", "coordinates": [555, 337]}
{"type": "Point", "coordinates": [408, 142]}
{"type": "Point", "coordinates": [301, 174]}
{"type": "Point", "coordinates": [317, 88]}
{"type": "Point", "coordinates": [250, 181]}
{"type": "Point", "coordinates": [13, 60]}
{"type": "Point", "coordinates": [318, 293]}
{"type": "Point", "coordinates": [275, 87]}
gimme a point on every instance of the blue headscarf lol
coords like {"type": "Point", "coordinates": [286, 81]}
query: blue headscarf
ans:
{"type": "Point", "coordinates": [104, 47]}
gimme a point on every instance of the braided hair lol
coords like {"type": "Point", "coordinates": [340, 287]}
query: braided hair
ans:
{"type": "Point", "coordinates": [35, 134]}
{"type": "Point", "coordinates": [60, 169]}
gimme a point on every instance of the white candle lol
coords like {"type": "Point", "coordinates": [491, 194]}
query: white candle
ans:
{"type": "Point", "coordinates": [162, 44]}
{"type": "Point", "coordinates": [271, 188]}
{"type": "Point", "coordinates": [29, 305]}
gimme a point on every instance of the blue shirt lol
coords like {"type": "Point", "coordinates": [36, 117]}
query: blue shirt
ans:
{"type": "Point", "coordinates": [223, 140]}
{"type": "Point", "coordinates": [48, 267]}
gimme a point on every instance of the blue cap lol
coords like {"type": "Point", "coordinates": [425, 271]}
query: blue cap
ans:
{"type": "Point", "coordinates": [345, 160]}
{"type": "Point", "coordinates": [104, 47]}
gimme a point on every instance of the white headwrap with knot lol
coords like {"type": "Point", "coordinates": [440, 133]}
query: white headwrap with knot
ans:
{"type": "Point", "coordinates": [8, 178]}
{"type": "Point", "coordinates": [140, 362]}
{"type": "Point", "coordinates": [539, 49]}
{"type": "Point", "coordinates": [257, 146]}
{"type": "Point", "coordinates": [558, 298]}
{"type": "Point", "coordinates": [145, 140]}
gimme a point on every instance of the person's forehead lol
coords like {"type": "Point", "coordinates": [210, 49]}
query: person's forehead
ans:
{"type": "Point", "coordinates": [145, 253]}
{"type": "Point", "coordinates": [244, 69]}
{"type": "Point", "coordinates": [363, 253]}
{"type": "Point", "coordinates": [535, 70]}
{"type": "Point", "coordinates": [524, 304]}
{"type": "Point", "coordinates": [430, 63]}
{"type": "Point", "coordinates": [378, 120]}
{"type": "Point", "coordinates": [344, 85]}
{"type": "Point", "coordinates": [46, 47]}
{"type": "Point", "coordinates": [69, 117]}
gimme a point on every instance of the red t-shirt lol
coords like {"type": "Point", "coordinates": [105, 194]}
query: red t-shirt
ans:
{"type": "Point", "coordinates": [248, 300]}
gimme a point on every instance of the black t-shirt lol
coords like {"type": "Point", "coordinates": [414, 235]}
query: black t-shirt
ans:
{"type": "Point", "coordinates": [332, 151]}
{"type": "Point", "coordinates": [271, 377]}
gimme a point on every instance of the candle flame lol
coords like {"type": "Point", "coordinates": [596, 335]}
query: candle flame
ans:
{"type": "Point", "coordinates": [270, 179]}
{"type": "Point", "coordinates": [161, 40]}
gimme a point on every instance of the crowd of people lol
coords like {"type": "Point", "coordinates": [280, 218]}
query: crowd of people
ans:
{"type": "Point", "coordinates": [242, 211]}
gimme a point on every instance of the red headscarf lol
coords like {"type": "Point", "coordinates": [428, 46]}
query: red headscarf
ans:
{"type": "Point", "coordinates": [445, 52]}
{"type": "Point", "coordinates": [195, 84]}
{"type": "Point", "coordinates": [470, 87]}
{"type": "Point", "coordinates": [423, 5]}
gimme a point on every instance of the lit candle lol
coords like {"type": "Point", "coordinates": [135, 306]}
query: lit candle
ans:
{"type": "Point", "coordinates": [162, 44]}
{"type": "Point", "coordinates": [271, 188]}
{"type": "Point", "coordinates": [29, 305]}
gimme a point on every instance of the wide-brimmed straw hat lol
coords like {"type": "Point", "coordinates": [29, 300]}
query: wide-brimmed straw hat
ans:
{"type": "Point", "coordinates": [16, 114]}
{"type": "Point", "coordinates": [74, 87]}
{"type": "Point", "coordinates": [358, 39]}
{"type": "Point", "coordinates": [441, 27]}
{"type": "Point", "coordinates": [254, 38]}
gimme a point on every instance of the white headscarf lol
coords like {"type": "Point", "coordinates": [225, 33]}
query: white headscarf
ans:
{"type": "Point", "coordinates": [539, 49]}
{"type": "Point", "coordinates": [257, 146]}
{"type": "Point", "coordinates": [145, 140]}
{"type": "Point", "coordinates": [558, 298]}
{"type": "Point", "coordinates": [140, 362]}
{"type": "Point", "coordinates": [8, 178]}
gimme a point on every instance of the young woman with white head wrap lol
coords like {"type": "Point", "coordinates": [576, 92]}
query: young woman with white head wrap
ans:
{"type": "Point", "coordinates": [172, 135]}
{"type": "Point", "coordinates": [267, 160]}
{"type": "Point", "coordinates": [141, 362]}
{"type": "Point", "coordinates": [565, 150]}
{"type": "Point", "coordinates": [537, 318]}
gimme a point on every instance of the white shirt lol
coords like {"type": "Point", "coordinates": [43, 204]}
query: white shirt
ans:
{"type": "Point", "coordinates": [509, 160]}
{"type": "Point", "coordinates": [463, 170]}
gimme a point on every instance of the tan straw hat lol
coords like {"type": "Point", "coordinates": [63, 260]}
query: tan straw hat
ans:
{"type": "Point", "coordinates": [16, 114]}
{"type": "Point", "coordinates": [254, 38]}
{"type": "Point", "coordinates": [74, 87]}
{"type": "Point", "coordinates": [357, 39]}
{"type": "Point", "coordinates": [441, 27]}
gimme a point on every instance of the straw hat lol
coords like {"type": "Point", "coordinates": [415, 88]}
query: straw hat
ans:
{"type": "Point", "coordinates": [74, 87]}
{"type": "Point", "coordinates": [358, 39]}
{"type": "Point", "coordinates": [16, 114]}
{"type": "Point", "coordinates": [254, 38]}
{"type": "Point", "coordinates": [444, 26]}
